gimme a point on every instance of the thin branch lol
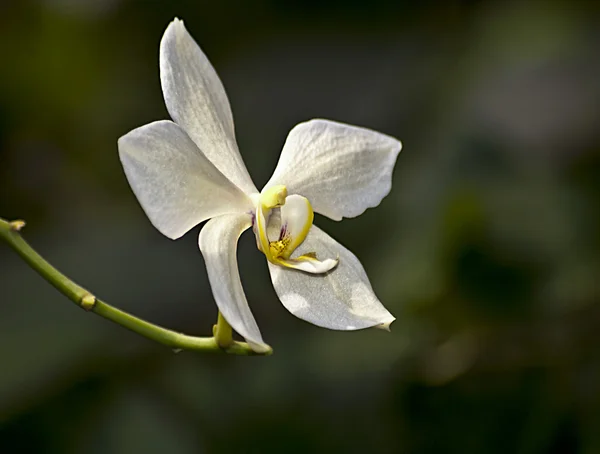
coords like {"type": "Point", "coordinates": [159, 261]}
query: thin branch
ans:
{"type": "Point", "coordinates": [223, 342]}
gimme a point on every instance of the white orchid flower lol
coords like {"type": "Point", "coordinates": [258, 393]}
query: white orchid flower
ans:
{"type": "Point", "coordinates": [189, 170]}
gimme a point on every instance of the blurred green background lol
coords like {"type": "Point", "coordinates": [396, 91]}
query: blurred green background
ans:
{"type": "Point", "coordinates": [487, 250]}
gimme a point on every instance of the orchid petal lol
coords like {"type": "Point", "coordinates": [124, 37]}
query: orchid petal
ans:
{"type": "Point", "coordinates": [177, 186]}
{"type": "Point", "coordinates": [218, 244]}
{"type": "Point", "coordinates": [196, 100]}
{"type": "Point", "coordinates": [341, 169]}
{"type": "Point", "coordinates": [341, 299]}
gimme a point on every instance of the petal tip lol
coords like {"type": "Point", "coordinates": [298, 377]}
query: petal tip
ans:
{"type": "Point", "coordinates": [177, 22]}
{"type": "Point", "coordinates": [122, 143]}
{"type": "Point", "coordinates": [175, 28]}
{"type": "Point", "coordinates": [398, 146]}
{"type": "Point", "coordinates": [385, 325]}
{"type": "Point", "coordinates": [260, 348]}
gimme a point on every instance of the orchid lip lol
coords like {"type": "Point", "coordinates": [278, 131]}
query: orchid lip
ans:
{"type": "Point", "coordinates": [297, 218]}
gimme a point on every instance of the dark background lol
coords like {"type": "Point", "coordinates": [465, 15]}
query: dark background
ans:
{"type": "Point", "coordinates": [487, 250]}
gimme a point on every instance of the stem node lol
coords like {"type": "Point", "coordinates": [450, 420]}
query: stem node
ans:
{"type": "Point", "coordinates": [16, 226]}
{"type": "Point", "coordinates": [88, 302]}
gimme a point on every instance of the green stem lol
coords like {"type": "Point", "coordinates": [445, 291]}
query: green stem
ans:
{"type": "Point", "coordinates": [222, 340]}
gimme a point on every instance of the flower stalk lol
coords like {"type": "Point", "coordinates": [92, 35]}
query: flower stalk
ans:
{"type": "Point", "coordinates": [223, 332]}
{"type": "Point", "coordinates": [222, 340]}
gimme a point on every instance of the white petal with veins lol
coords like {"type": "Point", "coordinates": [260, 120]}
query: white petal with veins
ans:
{"type": "Point", "coordinates": [196, 100]}
{"type": "Point", "coordinates": [177, 186]}
{"type": "Point", "coordinates": [341, 169]}
{"type": "Point", "coordinates": [341, 299]}
{"type": "Point", "coordinates": [218, 243]}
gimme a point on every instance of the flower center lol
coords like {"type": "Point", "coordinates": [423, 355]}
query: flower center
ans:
{"type": "Point", "coordinates": [296, 218]}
